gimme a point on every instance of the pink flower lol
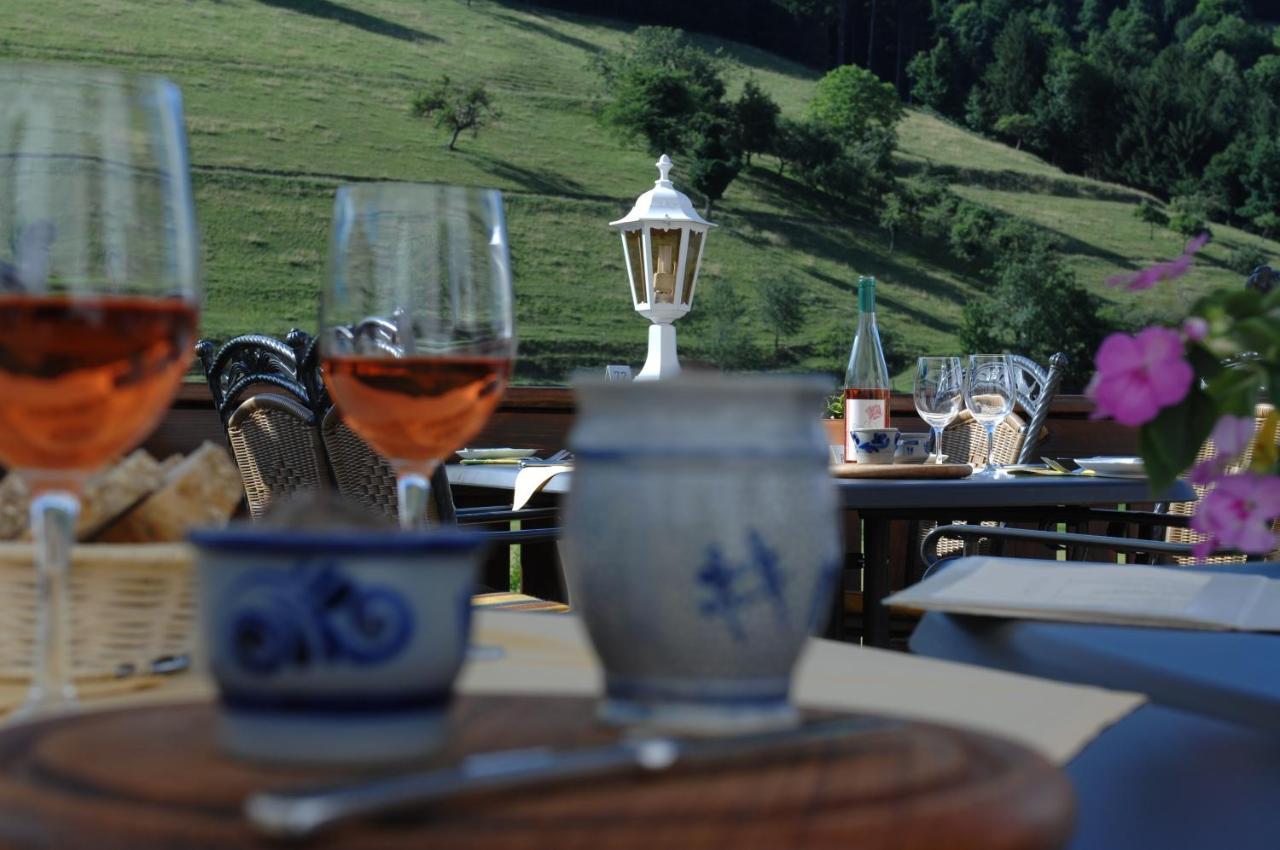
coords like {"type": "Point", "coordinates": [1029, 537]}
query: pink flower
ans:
{"type": "Point", "coordinates": [1232, 435]}
{"type": "Point", "coordinates": [1150, 276]}
{"type": "Point", "coordinates": [1138, 375]}
{"type": "Point", "coordinates": [1237, 515]}
{"type": "Point", "coordinates": [1195, 329]}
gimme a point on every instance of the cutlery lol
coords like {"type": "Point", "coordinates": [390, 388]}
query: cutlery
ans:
{"type": "Point", "coordinates": [302, 812]}
{"type": "Point", "coordinates": [1056, 466]}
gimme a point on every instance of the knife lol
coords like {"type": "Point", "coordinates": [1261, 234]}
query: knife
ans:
{"type": "Point", "coordinates": [299, 813]}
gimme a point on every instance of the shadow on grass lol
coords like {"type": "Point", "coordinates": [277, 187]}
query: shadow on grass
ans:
{"type": "Point", "coordinates": [540, 180]}
{"type": "Point", "coordinates": [897, 305]}
{"type": "Point", "coordinates": [549, 32]}
{"type": "Point", "coordinates": [362, 20]}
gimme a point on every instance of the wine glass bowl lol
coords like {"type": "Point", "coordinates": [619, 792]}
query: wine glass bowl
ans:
{"type": "Point", "coordinates": [417, 329]}
{"type": "Point", "coordinates": [988, 396]}
{"type": "Point", "coordinates": [99, 289]}
{"type": "Point", "coordinates": [938, 393]}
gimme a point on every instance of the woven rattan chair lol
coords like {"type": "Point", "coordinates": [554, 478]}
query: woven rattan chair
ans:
{"type": "Point", "coordinates": [287, 436]}
{"type": "Point", "coordinates": [965, 440]}
{"type": "Point", "coordinates": [277, 450]}
{"type": "Point", "coordinates": [268, 418]}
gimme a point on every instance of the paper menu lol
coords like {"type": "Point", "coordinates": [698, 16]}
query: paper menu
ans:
{"type": "Point", "coordinates": [1114, 594]}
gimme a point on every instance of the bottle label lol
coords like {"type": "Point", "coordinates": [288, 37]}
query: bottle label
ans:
{"type": "Point", "coordinates": [863, 413]}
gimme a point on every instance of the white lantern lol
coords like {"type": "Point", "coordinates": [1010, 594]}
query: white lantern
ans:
{"type": "Point", "coordinates": [662, 240]}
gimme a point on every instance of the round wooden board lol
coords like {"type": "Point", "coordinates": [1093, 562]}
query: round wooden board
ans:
{"type": "Point", "coordinates": [908, 471]}
{"type": "Point", "coordinates": [151, 778]}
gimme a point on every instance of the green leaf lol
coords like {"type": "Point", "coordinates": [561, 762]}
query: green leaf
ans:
{"type": "Point", "coordinates": [1257, 333]}
{"type": "Point", "coordinates": [1235, 390]}
{"type": "Point", "coordinates": [1171, 440]}
{"type": "Point", "coordinates": [1242, 303]}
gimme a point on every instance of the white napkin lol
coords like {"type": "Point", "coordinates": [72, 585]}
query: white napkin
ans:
{"type": "Point", "coordinates": [531, 479]}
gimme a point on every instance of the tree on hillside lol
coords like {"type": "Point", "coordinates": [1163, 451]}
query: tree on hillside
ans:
{"type": "Point", "coordinates": [714, 161]}
{"type": "Point", "coordinates": [851, 100]}
{"type": "Point", "coordinates": [1019, 126]}
{"type": "Point", "coordinates": [456, 107]}
{"type": "Point", "coordinates": [666, 90]}
{"type": "Point", "coordinates": [1188, 215]}
{"type": "Point", "coordinates": [1036, 308]}
{"type": "Point", "coordinates": [756, 117]}
{"type": "Point", "coordinates": [719, 326]}
{"type": "Point", "coordinates": [1151, 214]}
{"type": "Point", "coordinates": [782, 306]}
{"type": "Point", "coordinates": [1020, 59]}
{"type": "Point", "coordinates": [894, 214]}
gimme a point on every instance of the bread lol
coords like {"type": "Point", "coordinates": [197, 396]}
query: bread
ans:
{"type": "Point", "coordinates": [204, 489]}
{"type": "Point", "coordinates": [106, 496]}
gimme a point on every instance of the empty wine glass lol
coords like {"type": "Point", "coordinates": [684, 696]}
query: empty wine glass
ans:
{"type": "Point", "coordinates": [99, 285]}
{"type": "Point", "coordinates": [988, 394]}
{"type": "Point", "coordinates": [416, 319]}
{"type": "Point", "coordinates": [939, 394]}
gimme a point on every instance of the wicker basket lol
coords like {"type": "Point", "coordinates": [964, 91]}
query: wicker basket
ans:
{"type": "Point", "coordinates": [130, 604]}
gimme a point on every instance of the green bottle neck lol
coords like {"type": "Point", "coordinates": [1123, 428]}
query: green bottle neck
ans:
{"type": "Point", "coordinates": [866, 295]}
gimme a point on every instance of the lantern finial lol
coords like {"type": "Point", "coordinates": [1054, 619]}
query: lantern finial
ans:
{"type": "Point", "coordinates": [664, 166]}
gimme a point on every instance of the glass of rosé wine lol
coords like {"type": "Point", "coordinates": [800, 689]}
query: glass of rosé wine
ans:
{"type": "Point", "coordinates": [417, 331]}
{"type": "Point", "coordinates": [99, 287]}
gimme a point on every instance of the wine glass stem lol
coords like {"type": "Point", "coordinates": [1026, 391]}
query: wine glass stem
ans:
{"type": "Point", "coordinates": [937, 443]}
{"type": "Point", "coordinates": [991, 446]}
{"type": "Point", "coordinates": [413, 490]}
{"type": "Point", "coordinates": [53, 522]}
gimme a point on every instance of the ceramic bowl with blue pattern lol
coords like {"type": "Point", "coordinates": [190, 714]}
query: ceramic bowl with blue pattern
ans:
{"type": "Point", "coordinates": [335, 646]}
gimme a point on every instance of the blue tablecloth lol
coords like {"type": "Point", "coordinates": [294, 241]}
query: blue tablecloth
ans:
{"type": "Point", "coordinates": [1198, 768]}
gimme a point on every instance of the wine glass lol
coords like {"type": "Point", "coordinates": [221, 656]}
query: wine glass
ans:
{"type": "Point", "coordinates": [988, 394]}
{"type": "Point", "coordinates": [939, 394]}
{"type": "Point", "coordinates": [417, 329]}
{"type": "Point", "coordinates": [99, 285]}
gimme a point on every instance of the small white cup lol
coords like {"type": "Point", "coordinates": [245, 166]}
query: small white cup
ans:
{"type": "Point", "coordinates": [874, 445]}
{"type": "Point", "coordinates": [912, 447]}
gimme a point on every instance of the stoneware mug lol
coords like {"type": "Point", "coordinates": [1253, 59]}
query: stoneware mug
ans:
{"type": "Point", "coordinates": [913, 447]}
{"type": "Point", "coordinates": [874, 445]}
{"type": "Point", "coordinates": [335, 647]}
{"type": "Point", "coordinates": [701, 544]}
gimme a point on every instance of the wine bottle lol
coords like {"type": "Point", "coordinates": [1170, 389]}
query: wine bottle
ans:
{"type": "Point", "coordinates": [866, 381]}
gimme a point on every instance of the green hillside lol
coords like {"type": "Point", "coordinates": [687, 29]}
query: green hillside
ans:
{"type": "Point", "coordinates": [286, 99]}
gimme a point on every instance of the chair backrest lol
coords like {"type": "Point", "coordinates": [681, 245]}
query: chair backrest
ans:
{"type": "Point", "coordinates": [965, 440]}
{"type": "Point", "coordinates": [365, 477]}
{"type": "Point", "coordinates": [1035, 387]}
{"type": "Point", "coordinates": [273, 438]}
{"type": "Point", "coordinates": [250, 362]}
{"type": "Point", "coordinates": [285, 432]}
{"type": "Point", "coordinates": [1207, 451]}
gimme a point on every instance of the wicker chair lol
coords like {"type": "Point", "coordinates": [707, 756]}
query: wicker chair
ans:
{"type": "Point", "coordinates": [289, 437]}
{"type": "Point", "coordinates": [267, 415]}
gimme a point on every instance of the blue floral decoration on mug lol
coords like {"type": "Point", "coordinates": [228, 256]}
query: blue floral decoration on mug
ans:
{"type": "Point", "coordinates": [311, 613]}
{"type": "Point", "coordinates": [875, 445]}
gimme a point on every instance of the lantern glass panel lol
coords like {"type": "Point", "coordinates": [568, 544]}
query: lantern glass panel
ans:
{"type": "Point", "coordinates": [635, 256]}
{"type": "Point", "coordinates": [666, 259]}
{"type": "Point", "coordinates": [691, 266]}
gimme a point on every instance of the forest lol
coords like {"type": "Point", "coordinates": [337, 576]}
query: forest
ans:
{"type": "Point", "coordinates": [1180, 98]}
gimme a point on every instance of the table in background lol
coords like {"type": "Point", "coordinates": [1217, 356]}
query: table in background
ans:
{"type": "Point", "coordinates": [1169, 775]}
{"type": "Point", "coordinates": [880, 502]}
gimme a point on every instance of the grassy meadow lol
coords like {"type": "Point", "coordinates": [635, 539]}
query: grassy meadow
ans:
{"type": "Point", "coordinates": [286, 99]}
